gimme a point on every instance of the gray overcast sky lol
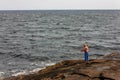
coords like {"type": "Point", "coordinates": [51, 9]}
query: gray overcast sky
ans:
{"type": "Point", "coordinates": [58, 4]}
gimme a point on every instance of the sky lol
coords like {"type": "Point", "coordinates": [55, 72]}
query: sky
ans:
{"type": "Point", "coordinates": [58, 4]}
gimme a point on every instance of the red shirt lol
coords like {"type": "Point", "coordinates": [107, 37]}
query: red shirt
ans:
{"type": "Point", "coordinates": [85, 49]}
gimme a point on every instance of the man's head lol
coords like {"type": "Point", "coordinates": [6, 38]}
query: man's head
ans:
{"type": "Point", "coordinates": [84, 44]}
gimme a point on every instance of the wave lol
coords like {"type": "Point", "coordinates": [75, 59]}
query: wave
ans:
{"type": "Point", "coordinates": [23, 72]}
{"type": "Point", "coordinates": [30, 57]}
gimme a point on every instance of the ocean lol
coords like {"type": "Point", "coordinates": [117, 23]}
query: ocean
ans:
{"type": "Point", "coordinates": [32, 40]}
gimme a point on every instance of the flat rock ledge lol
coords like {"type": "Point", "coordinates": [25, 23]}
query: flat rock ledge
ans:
{"type": "Point", "coordinates": [96, 69]}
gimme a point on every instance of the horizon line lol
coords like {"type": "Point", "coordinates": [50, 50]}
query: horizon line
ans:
{"type": "Point", "coordinates": [53, 9]}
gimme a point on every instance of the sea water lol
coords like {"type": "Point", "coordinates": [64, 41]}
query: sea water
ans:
{"type": "Point", "coordinates": [32, 40]}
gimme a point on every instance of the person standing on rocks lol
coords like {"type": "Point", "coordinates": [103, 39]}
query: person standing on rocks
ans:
{"type": "Point", "coordinates": [85, 50]}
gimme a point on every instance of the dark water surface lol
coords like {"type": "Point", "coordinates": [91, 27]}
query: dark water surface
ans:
{"type": "Point", "coordinates": [35, 39]}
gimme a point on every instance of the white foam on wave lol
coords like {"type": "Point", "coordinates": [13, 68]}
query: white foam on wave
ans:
{"type": "Point", "coordinates": [2, 75]}
{"type": "Point", "coordinates": [20, 73]}
{"type": "Point", "coordinates": [36, 70]}
{"type": "Point", "coordinates": [49, 64]}
{"type": "Point", "coordinates": [32, 71]}
{"type": "Point", "coordinates": [17, 72]}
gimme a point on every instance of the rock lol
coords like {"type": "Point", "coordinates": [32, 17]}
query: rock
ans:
{"type": "Point", "coordinates": [110, 74]}
{"type": "Point", "coordinates": [90, 72]}
{"type": "Point", "coordinates": [114, 56]}
{"type": "Point", "coordinates": [76, 77]}
{"type": "Point", "coordinates": [97, 69]}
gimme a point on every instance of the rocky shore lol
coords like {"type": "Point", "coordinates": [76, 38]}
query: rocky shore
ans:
{"type": "Point", "coordinates": [107, 68]}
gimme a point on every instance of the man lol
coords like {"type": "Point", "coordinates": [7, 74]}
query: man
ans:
{"type": "Point", "coordinates": [85, 50]}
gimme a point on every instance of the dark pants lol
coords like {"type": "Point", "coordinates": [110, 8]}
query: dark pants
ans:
{"type": "Point", "coordinates": [86, 56]}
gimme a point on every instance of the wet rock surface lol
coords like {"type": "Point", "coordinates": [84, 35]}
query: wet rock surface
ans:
{"type": "Point", "coordinates": [96, 69]}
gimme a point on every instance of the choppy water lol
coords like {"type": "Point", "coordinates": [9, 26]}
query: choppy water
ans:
{"type": "Point", "coordinates": [35, 39]}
